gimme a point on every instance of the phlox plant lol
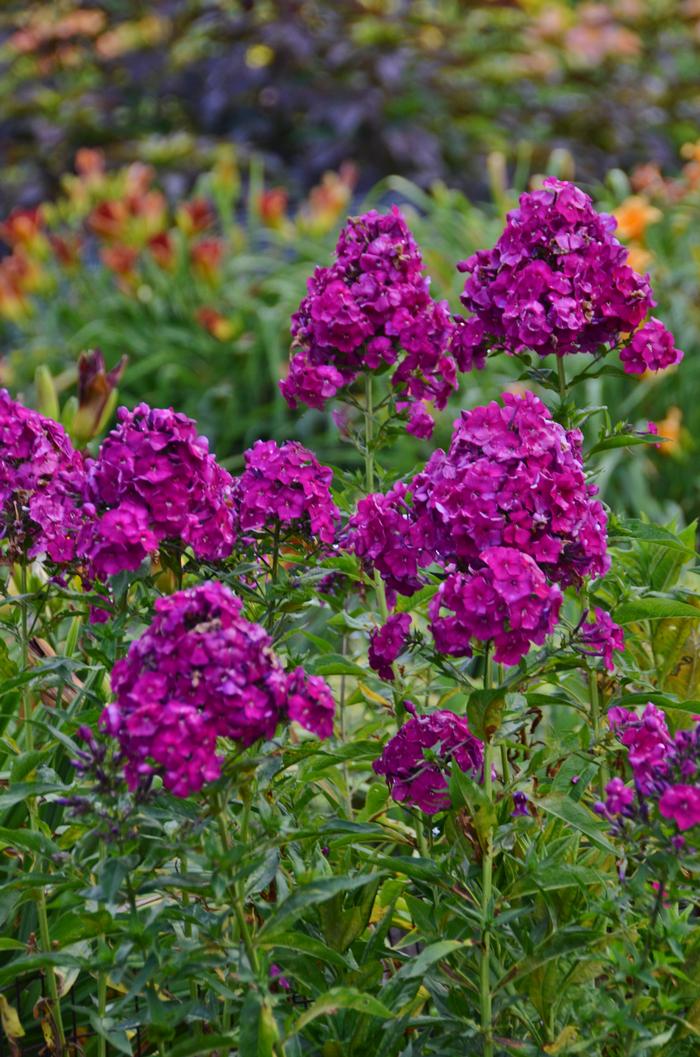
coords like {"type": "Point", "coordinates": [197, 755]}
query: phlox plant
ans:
{"type": "Point", "coordinates": [305, 761]}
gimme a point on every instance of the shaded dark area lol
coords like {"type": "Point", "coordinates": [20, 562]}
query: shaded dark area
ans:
{"type": "Point", "coordinates": [418, 88]}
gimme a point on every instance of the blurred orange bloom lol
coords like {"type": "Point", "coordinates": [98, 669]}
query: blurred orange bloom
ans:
{"type": "Point", "coordinates": [272, 207]}
{"type": "Point", "coordinates": [671, 428]}
{"type": "Point", "coordinates": [206, 257]}
{"type": "Point", "coordinates": [217, 325]}
{"type": "Point", "coordinates": [120, 259]}
{"type": "Point", "coordinates": [22, 227]}
{"type": "Point", "coordinates": [108, 219]}
{"type": "Point", "coordinates": [194, 216]}
{"type": "Point", "coordinates": [634, 215]}
{"type": "Point", "coordinates": [328, 200]}
{"type": "Point", "coordinates": [163, 250]}
{"type": "Point", "coordinates": [66, 249]}
{"type": "Point", "coordinates": [639, 258]}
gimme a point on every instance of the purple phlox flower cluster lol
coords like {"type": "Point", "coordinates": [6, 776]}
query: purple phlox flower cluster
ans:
{"type": "Point", "coordinates": [652, 348]}
{"type": "Point", "coordinates": [41, 483]}
{"type": "Point", "coordinates": [557, 281]}
{"type": "Point", "coordinates": [286, 485]}
{"type": "Point", "coordinates": [601, 637]}
{"type": "Point", "coordinates": [416, 761]}
{"type": "Point", "coordinates": [504, 598]}
{"type": "Point", "coordinates": [513, 477]}
{"type": "Point", "coordinates": [385, 534]}
{"type": "Point", "coordinates": [372, 308]}
{"type": "Point", "coordinates": [387, 642]}
{"type": "Point", "coordinates": [154, 479]}
{"type": "Point", "coordinates": [201, 671]}
{"type": "Point", "coordinates": [665, 772]}
{"type": "Point", "coordinates": [647, 740]}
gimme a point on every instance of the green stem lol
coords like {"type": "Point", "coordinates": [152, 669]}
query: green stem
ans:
{"type": "Point", "coordinates": [42, 914]}
{"type": "Point", "coordinates": [101, 1010]}
{"type": "Point", "coordinates": [276, 551]}
{"type": "Point", "coordinates": [597, 733]}
{"type": "Point", "coordinates": [238, 903]}
{"type": "Point", "coordinates": [370, 482]}
{"type": "Point", "coordinates": [561, 376]}
{"type": "Point", "coordinates": [487, 887]}
{"type": "Point", "coordinates": [345, 767]}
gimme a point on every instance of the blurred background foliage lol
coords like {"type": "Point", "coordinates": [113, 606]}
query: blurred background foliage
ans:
{"type": "Point", "coordinates": [173, 171]}
{"type": "Point", "coordinates": [424, 88]}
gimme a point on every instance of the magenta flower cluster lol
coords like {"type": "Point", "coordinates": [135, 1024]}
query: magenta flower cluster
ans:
{"type": "Point", "coordinates": [556, 281]}
{"type": "Point", "coordinates": [417, 761]}
{"type": "Point", "coordinates": [285, 485]}
{"type": "Point", "coordinates": [665, 773]}
{"type": "Point", "coordinates": [508, 513]}
{"type": "Point", "coordinates": [513, 477]}
{"type": "Point", "coordinates": [384, 533]}
{"type": "Point", "coordinates": [652, 348]}
{"type": "Point", "coordinates": [371, 309]}
{"type": "Point", "coordinates": [387, 642]}
{"type": "Point", "coordinates": [601, 637]}
{"type": "Point", "coordinates": [154, 479]}
{"type": "Point", "coordinates": [41, 482]}
{"type": "Point", "coordinates": [200, 672]}
{"type": "Point", "coordinates": [504, 598]}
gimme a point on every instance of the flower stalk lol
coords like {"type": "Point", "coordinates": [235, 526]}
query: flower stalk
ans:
{"type": "Point", "coordinates": [487, 882]}
{"type": "Point", "coordinates": [42, 914]}
{"type": "Point", "coordinates": [370, 481]}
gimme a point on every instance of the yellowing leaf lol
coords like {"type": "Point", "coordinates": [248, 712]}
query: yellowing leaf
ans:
{"type": "Point", "coordinates": [372, 696]}
{"type": "Point", "coordinates": [10, 1021]}
{"type": "Point", "coordinates": [565, 1037]}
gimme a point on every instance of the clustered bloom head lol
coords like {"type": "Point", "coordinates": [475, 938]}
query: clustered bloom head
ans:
{"type": "Point", "coordinates": [370, 309]}
{"type": "Point", "coordinates": [652, 348]}
{"type": "Point", "coordinates": [286, 485]}
{"type": "Point", "coordinates": [601, 637]}
{"type": "Point", "coordinates": [41, 481]}
{"type": "Point", "coordinates": [416, 762]}
{"type": "Point", "coordinates": [504, 598]}
{"type": "Point", "coordinates": [386, 536]}
{"type": "Point", "coordinates": [154, 479]}
{"type": "Point", "coordinates": [387, 642]}
{"type": "Point", "coordinates": [665, 772]}
{"type": "Point", "coordinates": [513, 477]}
{"type": "Point", "coordinates": [199, 672]}
{"type": "Point", "coordinates": [557, 281]}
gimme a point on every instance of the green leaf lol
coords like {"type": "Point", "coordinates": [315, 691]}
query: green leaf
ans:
{"type": "Point", "coordinates": [7, 944]}
{"type": "Point", "coordinates": [622, 440]}
{"type": "Point", "coordinates": [23, 790]}
{"type": "Point", "coordinates": [551, 877]}
{"type": "Point", "coordinates": [564, 942]}
{"type": "Point", "coordinates": [343, 924]}
{"type": "Point", "coordinates": [202, 1044]}
{"type": "Point", "coordinates": [485, 712]}
{"type": "Point", "coordinates": [579, 817]}
{"type": "Point", "coordinates": [334, 664]}
{"type": "Point", "coordinates": [300, 942]}
{"type": "Point", "coordinates": [311, 894]}
{"type": "Point", "coordinates": [431, 954]}
{"type": "Point", "coordinates": [653, 609]}
{"type": "Point", "coordinates": [27, 840]}
{"type": "Point", "coordinates": [634, 529]}
{"type": "Point", "coordinates": [342, 998]}
{"type": "Point", "coordinates": [258, 1030]}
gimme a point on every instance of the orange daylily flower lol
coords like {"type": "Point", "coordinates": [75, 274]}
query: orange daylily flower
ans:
{"type": "Point", "coordinates": [206, 257]}
{"type": "Point", "coordinates": [671, 428]}
{"type": "Point", "coordinates": [634, 216]}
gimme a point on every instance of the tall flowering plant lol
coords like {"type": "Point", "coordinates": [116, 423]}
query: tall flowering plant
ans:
{"type": "Point", "coordinates": [311, 761]}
